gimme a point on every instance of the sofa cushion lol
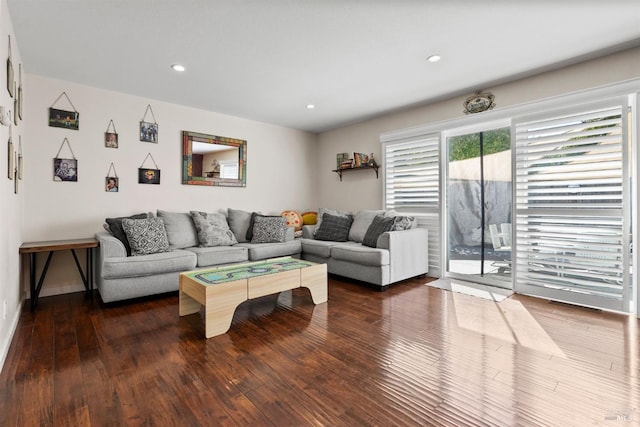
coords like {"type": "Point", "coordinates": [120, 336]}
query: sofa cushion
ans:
{"type": "Point", "coordinates": [258, 251]}
{"type": "Point", "coordinates": [147, 265]}
{"type": "Point", "coordinates": [146, 236]}
{"type": "Point", "coordinates": [334, 212]}
{"type": "Point", "coordinates": [115, 228]}
{"type": "Point", "coordinates": [269, 229]}
{"type": "Point", "coordinates": [239, 222]}
{"type": "Point", "coordinates": [217, 255]}
{"type": "Point", "coordinates": [213, 229]}
{"type": "Point", "coordinates": [361, 222]}
{"type": "Point", "coordinates": [360, 254]}
{"type": "Point", "coordinates": [334, 228]}
{"type": "Point", "coordinates": [379, 225]}
{"type": "Point", "coordinates": [320, 248]}
{"type": "Point", "coordinates": [181, 231]}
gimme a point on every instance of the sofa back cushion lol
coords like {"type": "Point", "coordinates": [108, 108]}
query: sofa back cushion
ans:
{"type": "Point", "coordinates": [334, 228]}
{"type": "Point", "coordinates": [213, 229]}
{"type": "Point", "coordinates": [181, 230]}
{"type": "Point", "coordinates": [239, 222]}
{"type": "Point", "coordinates": [361, 222]}
{"type": "Point", "coordinates": [146, 236]}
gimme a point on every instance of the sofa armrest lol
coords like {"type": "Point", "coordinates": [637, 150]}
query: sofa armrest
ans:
{"type": "Point", "coordinates": [110, 246]}
{"type": "Point", "coordinates": [408, 252]}
{"type": "Point", "coordinates": [307, 231]}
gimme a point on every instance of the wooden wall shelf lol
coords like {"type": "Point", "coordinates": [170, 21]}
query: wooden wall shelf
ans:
{"type": "Point", "coordinates": [339, 171]}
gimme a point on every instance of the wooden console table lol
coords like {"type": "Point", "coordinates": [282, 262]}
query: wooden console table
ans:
{"type": "Point", "coordinates": [33, 248]}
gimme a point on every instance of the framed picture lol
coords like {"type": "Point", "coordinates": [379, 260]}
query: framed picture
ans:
{"type": "Point", "coordinates": [148, 176]}
{"type": "Point", "coordinates": [10, 78]}
{"type": "Point", "coordinates": [65, 170]}
{"type": "Point", "coordinates": [111, 140]}
{"type": "Point", "coordinates": [10, 165]}
{"type": "Point", "coordinates": [64, 119]}
{"type": "Point", "coordinates": [148, 132]}
{"type": "Point", "coordinates": [360, 159]}
{"type": "Point", "coordinates": [341, 157]}
{"type": "Point", "coordinates": [111, 184]}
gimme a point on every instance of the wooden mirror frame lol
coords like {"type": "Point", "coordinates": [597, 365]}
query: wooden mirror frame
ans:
{"type": "Point", "coordinates": [188, 138]}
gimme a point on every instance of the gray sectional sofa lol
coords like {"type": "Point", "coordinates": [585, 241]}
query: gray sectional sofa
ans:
{"type": "Point", "coordinates": [128, 267]}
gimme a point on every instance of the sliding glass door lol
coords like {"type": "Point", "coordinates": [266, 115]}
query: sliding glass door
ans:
{"type": "Point", "coordinates": [478, 208]}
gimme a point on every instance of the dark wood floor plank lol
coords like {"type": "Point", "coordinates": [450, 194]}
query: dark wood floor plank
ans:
{"type": "Point", "coordinates": [413, 355]}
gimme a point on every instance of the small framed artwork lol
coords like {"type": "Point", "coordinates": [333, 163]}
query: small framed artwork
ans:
{"type": "Point", "coordinates": [65, 170]}
{"type": "Point", "coordinates": [10, 165]}
{"type": "Point", "coordinates": [148, 132]}
{"type": "Point", "coordinates": [111, 140]}
{"type": "Point", "coordinates": [10, 77]}
{"type": "Point", "coordinates": [111, 184]}
{"type": "Point", "coordinates": [148, 176]}
{"type": "Point", "coordinates": [64, 119]}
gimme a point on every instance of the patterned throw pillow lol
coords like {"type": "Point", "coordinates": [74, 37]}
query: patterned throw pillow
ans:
{"type": "Point", "coordinates": [213, 229]}
{"type": "Point", "coordinates": [269, 229]}
{"type": "Point", "coordinates": [115, 228]}
{"type": "Point", "coordinates": [379, 225]}
{"type": "Point", "coordinates": [146, 236]}
{"type": "Point", "coordinates": [323, 211]}
{"type": "Point", "coordinates": [403, 223]}
{"type": "Point", "coordinates": [334, 228]}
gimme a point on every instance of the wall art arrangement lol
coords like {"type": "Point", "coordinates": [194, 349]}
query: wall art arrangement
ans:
{"type": "Point", "coordinates": [148, 130]}
{"type": "Point", "coordinates": [64, 118]}
{"type": "Point", "coordinates": [111, 138]}
{"type": "Point", "coordinates": [65, 169]}
{"type": "Point", "coordinates": [111, 181]}
{"type": "Point", "coordinates": [147, 175]}
{"type": "Point", "coordinates": [10, 76]}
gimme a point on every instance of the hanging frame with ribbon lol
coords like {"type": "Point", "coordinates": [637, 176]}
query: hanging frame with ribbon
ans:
{"type": "Point", "coordinates": [148, 130]}
{"type": "Point", "coordinates": [147, 175]}
{"type": "Point", "coordinates": [10, 76]}
{"type": "Point", "coordinates": [65, 169]}
{"type": "Point", "coordinates": [111, 137]}
{"type": "Point", "coordinates": [111, 181]}
{"type": "Point", "coordinates": [10, 157]}
{"type": "Point", "coordinates": [59, 118]}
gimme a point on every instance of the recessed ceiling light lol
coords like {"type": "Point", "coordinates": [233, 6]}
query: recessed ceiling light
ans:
{"type": "Point", "coordinates": [178, 67]}
{"type": "Point", "coordinates": [310, 106]}
{"type": "Point", "coordinates": [434, 58]}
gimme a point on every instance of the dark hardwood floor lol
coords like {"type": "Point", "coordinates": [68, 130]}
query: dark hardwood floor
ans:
{"type": "Point", "coordinates": [413, 355]}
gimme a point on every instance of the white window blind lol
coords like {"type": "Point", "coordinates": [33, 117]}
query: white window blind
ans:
{"type": "Point", "coordinates": [571, 225]}
{"type": "Point", "coordinates": [412, 186]}
{"type": "Point", "coordinates": [412, 175]}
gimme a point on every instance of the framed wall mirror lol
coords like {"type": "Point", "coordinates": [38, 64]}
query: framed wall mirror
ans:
{"type": "Point", "coordinates": [213, 160]}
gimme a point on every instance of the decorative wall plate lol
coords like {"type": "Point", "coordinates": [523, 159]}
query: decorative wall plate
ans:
{"type": "Point", "coordinates": [479, 102]}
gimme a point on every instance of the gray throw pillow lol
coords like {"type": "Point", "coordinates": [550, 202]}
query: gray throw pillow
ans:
{"type": "Point", "coordinates": [115, 227]}
{"type": "Point", "coordinates": [334, 228]}
{"type": "Point", "coordinates": [146, 236]}
{"type": "Point", "coordinates": [333, 212]}
{"type": "Point", "coordinates": [213, 229]}
{"type": "Point", "coordinates": [239, 222]}
{"type": "Point", "coordinates": [181, 231]}
{"type": "Point", "coordinates": [269, 229]}
{"type": "Point", "coordinates": [379, 225]}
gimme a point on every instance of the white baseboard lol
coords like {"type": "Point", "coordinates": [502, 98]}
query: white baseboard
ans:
{"type": "Point", "coordinates": [6, 341]}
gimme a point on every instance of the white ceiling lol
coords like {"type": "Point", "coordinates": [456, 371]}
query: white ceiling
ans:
{"type": "Point", "coordinates": [354, 59]}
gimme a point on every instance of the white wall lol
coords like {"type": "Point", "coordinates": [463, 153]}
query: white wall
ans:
{"type": "Point", "coordinates": [360, 190]}
{"type": "Point", "coordinates": [280, 167]}
{"type": "Point", "coordinates": [11, 204]}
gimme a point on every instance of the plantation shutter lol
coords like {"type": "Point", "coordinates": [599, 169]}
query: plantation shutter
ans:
{"type": "Point", "coordinates": [412, 186]}
{"type": "Point", "coordinates": [572, 226]}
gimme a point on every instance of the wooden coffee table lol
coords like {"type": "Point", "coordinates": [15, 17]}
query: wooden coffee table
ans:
{"type": "Point", "coordinates": [220, 290]}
